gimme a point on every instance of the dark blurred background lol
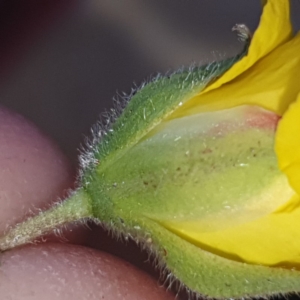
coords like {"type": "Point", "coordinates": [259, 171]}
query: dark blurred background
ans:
{"type": "Point", "coordinates": [62, 62]}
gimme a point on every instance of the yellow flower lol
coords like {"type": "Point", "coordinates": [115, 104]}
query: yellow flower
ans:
{"type": "Point", "coordinates": [267, 77]}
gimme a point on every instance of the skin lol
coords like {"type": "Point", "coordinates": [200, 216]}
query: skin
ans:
{"type": "Point", "coordinates": [33, 174]}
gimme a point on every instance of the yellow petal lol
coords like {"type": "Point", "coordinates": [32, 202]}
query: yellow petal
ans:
{"type": "Point", "coordinates": [288, 144]}
{"type": "Point", "coordinates": [271, 83]}
{"type": "Point", "coordinates": [274, 29]}
{"type": "Point", "coordinates": [273, 240]}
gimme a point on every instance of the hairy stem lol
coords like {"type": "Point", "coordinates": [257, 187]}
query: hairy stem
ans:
{"type": "Point", "coordinates": [76, 207]}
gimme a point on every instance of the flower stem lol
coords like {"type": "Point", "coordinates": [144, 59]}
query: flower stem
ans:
{"type": "Point", "coordinates": [76, 207]}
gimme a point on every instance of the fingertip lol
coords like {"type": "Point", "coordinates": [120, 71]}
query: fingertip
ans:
{"type": "Point", "coordinates": [57, 271]}
{"type": "Point", "coordinates": [34, 172]}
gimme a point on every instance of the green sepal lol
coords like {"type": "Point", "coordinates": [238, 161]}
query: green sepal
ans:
{"type": "Point", "coordinates": [211, 276]}
{"type": "Point", "coordinates": [154, 102]}
{"type": "Point", "coordinates": [147, 108]}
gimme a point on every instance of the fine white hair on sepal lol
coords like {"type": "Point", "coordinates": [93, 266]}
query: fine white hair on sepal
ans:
{"type": "Point", "coordinates": [90, 149]}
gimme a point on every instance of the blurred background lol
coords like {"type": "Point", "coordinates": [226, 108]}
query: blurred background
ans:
{"type": "Point", "coordinates": [62, 62]}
